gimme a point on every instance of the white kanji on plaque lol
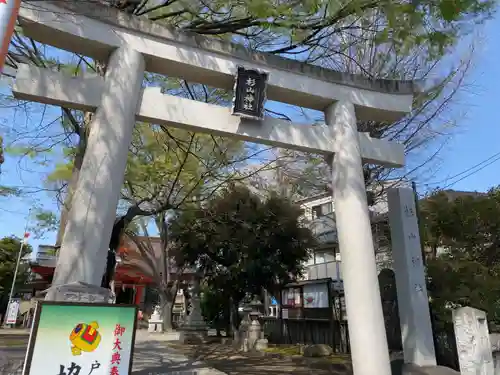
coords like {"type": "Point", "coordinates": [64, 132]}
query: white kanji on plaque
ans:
{"type": "Point", "coordinates": [250, 82]}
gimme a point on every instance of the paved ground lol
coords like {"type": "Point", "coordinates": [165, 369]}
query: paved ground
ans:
{"type": "Point", "coordinates": [229, 361]}
{"type": "Point", "coordinates": [158, 354]}
{"type": "Point", "coordinates": [151, 356]}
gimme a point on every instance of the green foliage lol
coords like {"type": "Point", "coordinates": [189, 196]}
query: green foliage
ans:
{"type": "Point", "coordinates": [168, 168]}
{"type": "Point", "coordinates": [45, 221]}
{"type": "Point", "coordinates": [467, 229]}
{"type": "Point", "coordinates": [9, 250]}
{"type": "Point", "coordinates": [455, 283]}
{"type": "Point", "coordinates": [6, 191]}
{"type": "Point", "coordinates": [243, 244]}
{"type": "Point", "coordinates": [214, 306]}
{"type": "Point", "coordinates": [62, 172]}
{"type": "Point", "coordinates": [427, 24]}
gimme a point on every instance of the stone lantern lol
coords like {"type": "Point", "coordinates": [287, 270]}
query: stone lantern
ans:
{"type": "Point", "coordinates": [194, 330]}
{"type": "Point", "coordinates": [255, 335]}
{"type": "Point", "coordinates": [256, 308]}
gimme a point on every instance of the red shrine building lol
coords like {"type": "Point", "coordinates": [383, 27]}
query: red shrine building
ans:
{"type": "Point", "coordinates": [133, 279]}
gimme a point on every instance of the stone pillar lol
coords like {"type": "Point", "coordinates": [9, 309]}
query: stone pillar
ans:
{"type": "Point", "coordinates": [82, 256]}
{"type": "Point", "coordinates": [473, 341]}
{"type": "Point", "coordinates": [369, 351]}
{"type": "Point", "coordinates": [194, 330]}
{"type": "Point", "coordinates": [413, 302]}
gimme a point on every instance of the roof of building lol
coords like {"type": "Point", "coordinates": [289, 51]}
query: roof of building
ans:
{"type": "Point", "coordinates": [454, 194]}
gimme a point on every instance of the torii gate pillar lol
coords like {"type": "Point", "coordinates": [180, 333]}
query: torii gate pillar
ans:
{"type": "Point", "coordinates": [96, 196]}
{"type": "Point", "coordinates": [368, 339]}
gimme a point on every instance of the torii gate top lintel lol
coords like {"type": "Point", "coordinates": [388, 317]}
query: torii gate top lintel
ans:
{"type": "Point", "coordinates": [97, 30]}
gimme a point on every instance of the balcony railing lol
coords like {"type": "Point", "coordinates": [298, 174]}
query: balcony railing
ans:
{"type": "Point", "coordinates": [324, 270]}
{"type": "Point", "coordinates": [324, 228]}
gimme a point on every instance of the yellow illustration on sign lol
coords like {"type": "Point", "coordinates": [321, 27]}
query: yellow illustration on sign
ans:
{"type": "Point", "coordinates": [85, 338]}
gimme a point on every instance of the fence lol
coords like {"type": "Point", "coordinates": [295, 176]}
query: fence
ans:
{"type": "Point", "coordinates": [307, 331]}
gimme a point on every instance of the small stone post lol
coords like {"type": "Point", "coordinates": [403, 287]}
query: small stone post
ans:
{"type": "Point", "coordinates": [473, 341]}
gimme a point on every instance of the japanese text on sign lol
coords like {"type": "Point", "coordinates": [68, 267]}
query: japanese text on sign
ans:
{"type": "Point", "coordinates": [409, 211]}
{"type": "Point", "coordinates": [74, 369]}
{"type": "Point", "coordinates": [116, 355]}
{"type": "Point", "coordinates": [250, 93]}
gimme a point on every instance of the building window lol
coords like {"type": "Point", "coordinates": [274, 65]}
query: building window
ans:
{"type": "Point", "coordinates": [322, 210]}
{"type": "Point", "coordinates": [319, 258]}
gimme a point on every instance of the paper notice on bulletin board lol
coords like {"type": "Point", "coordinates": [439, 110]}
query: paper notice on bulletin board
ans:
{"type": "Point", "coordinates": [316, 296]}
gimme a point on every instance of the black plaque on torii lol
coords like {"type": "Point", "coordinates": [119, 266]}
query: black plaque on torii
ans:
{"type": "Point", "coordinates": [250, 93]}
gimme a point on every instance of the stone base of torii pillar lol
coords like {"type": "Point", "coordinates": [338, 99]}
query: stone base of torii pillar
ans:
{"type": "Point", "coordinates": [194, 330]}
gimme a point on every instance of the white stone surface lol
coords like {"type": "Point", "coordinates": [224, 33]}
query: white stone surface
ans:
{"type": "Point", "coordinates": [495, 348]}
{"type": "Point", "coordinates": [369, 351]}
{"type": "Point", "coordinates": [79, 292]}
{"type": "Point", "coordinates": [48, 23]}
{"type": "Point", "coordinates": [86, 239]}
{"type": "Point", "coordinates": [473, 341]}
{"type": "Point", "coordinates": [155, 323]}
{"type": "Point", "coordinates": [413, 302]}
{"type": "Point", "coordinates": [84, 93]}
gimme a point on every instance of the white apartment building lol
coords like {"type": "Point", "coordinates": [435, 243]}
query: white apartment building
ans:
{"type": "Point", "coordinates": [319, 215]}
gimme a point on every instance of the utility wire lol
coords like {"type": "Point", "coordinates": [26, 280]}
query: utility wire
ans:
{"type": "Point", "coordinates": [472, 173]}
{"type": "Point", "coordinates": [483, 164]}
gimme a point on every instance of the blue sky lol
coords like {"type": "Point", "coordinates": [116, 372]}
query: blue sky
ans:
{"type": "Point", "coordinates": [477, 136]}
{"type": "Point", "coordinates": [475, 139]}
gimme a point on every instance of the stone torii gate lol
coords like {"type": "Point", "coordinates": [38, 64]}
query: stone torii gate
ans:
{"type": "Point", "coordinates": [132, 46]}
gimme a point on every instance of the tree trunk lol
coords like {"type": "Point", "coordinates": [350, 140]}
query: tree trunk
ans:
{"type": "Point", "coordinates": [233, 317]}
{"type": "Point", "coordinates": [166, 307]}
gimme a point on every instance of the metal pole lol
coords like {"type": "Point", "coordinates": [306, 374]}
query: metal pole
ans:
{"type": "Point", "coordinates": [18, 259]}
{"type": "Point", "coordinates": [417, 214]}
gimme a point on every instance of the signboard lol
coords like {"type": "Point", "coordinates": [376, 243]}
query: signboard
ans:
{"type": "Point", "coordinates": [291, 297]}
{"type": "Point", "coordinates": [250, 93]}
{"type": "Point", "coordinates": [13, 311]}
{"type": "Point", "coordinates": [316, 295]}
{"type": "Point", "coordinates": [81, 339]}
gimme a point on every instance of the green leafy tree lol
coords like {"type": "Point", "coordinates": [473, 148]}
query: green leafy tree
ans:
{"type": "Point", "coordinates": [455, 283]}
{"type": "Point", "coordinates": [461, 235]}
{"type": "Point", "coordinates": [243, 244]}
{"type": "Point", "coordinates": [464, 226]}
{"type": "Point", "coordinates": [170, 170]}
{"type": "Point", "coordinates": [9, 250]}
